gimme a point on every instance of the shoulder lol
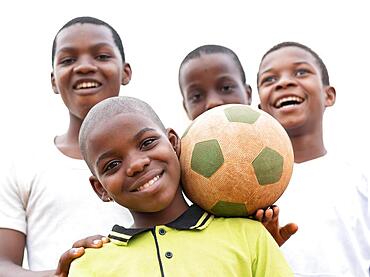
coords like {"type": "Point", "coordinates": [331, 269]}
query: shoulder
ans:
{"type": "Point", "coordinates": [95, 260]}
{"type": "Point", "coordinates": [238, 227]}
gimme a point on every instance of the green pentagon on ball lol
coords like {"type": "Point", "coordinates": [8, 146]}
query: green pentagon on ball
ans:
{"type": "Point", "coordinates": [207, 157]}
{"type": "Point", "coordinates": [268, 166]}
{"type": "Point", "coordinates": [224, 208]}
{"type": "Point", "coordinates": [241, 114]}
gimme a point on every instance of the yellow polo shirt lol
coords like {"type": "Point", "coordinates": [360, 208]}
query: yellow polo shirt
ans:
{"type": "Point", "coordinates": [195, 244]}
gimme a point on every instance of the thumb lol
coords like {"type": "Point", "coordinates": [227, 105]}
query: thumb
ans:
{"type": "Point", "coordinates": [66, 260]}
{"type": "Point", "coordinates": [287, 231]}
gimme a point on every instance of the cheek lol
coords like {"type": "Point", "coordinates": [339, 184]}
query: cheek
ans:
{"type": "Point", "coordinates": [194, 111]}
{"type": "Point", "coordinates": [175, 165]}
{"type": "Point", "coordinates": [263, 97]}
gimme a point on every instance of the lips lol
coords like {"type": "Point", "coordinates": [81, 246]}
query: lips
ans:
{"type": "Point", "coordinates": [288, 101]}
{"type": "Point", "coordinates": [146, 181]}
{"type": "Point", "coordinates": [148, 184]}
{"type": "Point", "coordinates": [86, 84]}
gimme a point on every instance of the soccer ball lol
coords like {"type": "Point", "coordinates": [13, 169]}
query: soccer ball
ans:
{"type": "Point", "coordinates": [234, 160]}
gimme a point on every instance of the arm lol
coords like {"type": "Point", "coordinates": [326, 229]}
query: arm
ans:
{"type": "Point", "coordinates": [12, 244]}
{"type": "Point", "coordinates": [270, 219]}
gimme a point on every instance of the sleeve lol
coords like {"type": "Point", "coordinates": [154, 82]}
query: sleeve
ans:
{"type": "Point", "coordinates": [269, 260]}
{"type": "Point", "coordinates": [13, 199]}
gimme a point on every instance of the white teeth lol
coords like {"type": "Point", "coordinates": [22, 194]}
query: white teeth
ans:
{"type": "Point", "coordinates": [289, 98]}
{"type": "Point", "coordinates": [87, 85]}
{"type": "Point", "coordinates": [148, 184]}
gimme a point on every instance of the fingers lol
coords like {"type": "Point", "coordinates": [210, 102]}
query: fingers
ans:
{"type": "Point", "coordinates": [267, 215]}
{"type": "Point", "coordinates": [259, 215]}
{"type": "Point", "coordinates": [66, 260]}
{"type": "Point", "coordinates": [96, 241]}
{"type": "Point", "coordinates": [287, 231]}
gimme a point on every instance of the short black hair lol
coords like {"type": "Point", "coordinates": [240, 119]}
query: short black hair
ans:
{"type": "Point", "coordinates": [320, 63]}
{"type": "Point", "coordinates": [213, 49]}
{"type": "Point", "coordinates": [108, 108]}
{"type": "Point", "coordinates": [90, 20]}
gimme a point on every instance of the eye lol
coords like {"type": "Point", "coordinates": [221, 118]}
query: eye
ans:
{"type": "Point", "coordinates": [110, 166]}
{"type": "Point", "coordinates": [67, 61]}
{"type": "Point", "coordinates": [301, 72]}
{"type": "Point", "coordinates": [148, 143]}
{"type": "Point", "coordinates": [103, 57]}
{"type": "Point", "coordinates": [195, 97]}
{"type": "Point", "coordinates": [268, 80]}
{"type": "Point", "coordinates": [227, 88]}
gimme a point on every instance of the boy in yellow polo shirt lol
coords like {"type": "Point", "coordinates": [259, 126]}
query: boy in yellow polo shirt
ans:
{"type": "Point", "coordinates": [134, 162]}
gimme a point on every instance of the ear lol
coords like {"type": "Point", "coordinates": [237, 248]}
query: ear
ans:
{"type": "Point", "coordinates": [174, 140]}
{"type": "Point", "coordinates": [248, 91]}
{"type": "Point", "coordinates": [126, 74]}
{"type": "Point", "coordinates": [330, 96]}
{"type": "Point", "coordinates": [99, 189]}
{"type": "Point", "coordinates": [53, 85]}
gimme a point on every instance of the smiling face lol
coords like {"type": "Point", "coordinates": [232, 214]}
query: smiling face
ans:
{"type": "Point", "coordinates": [135, 162]}
{"type": "Point", "coordinates": [291, 90]}
{"type": "Point", "coordinates": [87, 67]}
{"type": "Point", "coordinates": [209, 81]}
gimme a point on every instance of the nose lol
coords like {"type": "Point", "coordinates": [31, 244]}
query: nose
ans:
{"type": "Point", "coordinates": [285, 81]}
{"type": "Point", "coordinates": [85, 65]}
{"type": "Point", "coordinates": [137, 165]}
{"type": "Point", "coordinates": [213, 100]}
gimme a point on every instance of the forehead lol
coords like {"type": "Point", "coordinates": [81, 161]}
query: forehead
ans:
{"type": "Point", "coordinates": [124, 125]}
{"type": "Point", "coordinates": [87, 33]}
{"type": "Point", "coordinates": [287, 56]}
{"type": "Point", "coordinates": [208, 64]}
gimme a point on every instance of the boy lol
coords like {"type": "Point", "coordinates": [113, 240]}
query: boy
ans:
{"type": "Point", "coordinates": [326, 197]}
{"type": "Point", "coordinates": [44, 198]}
{"type": "Point", "coordinates": [134, 162]}
{"type": "Point", "coordinates": [210, 76]}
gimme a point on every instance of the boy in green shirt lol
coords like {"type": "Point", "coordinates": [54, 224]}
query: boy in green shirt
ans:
{"type": "Point", "coordinates": [134, 162]}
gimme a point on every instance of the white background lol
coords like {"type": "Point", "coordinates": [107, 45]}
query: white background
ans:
{"type": "Point", "coordinates": [158, 34]}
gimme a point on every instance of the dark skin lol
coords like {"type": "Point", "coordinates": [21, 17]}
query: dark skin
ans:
{"type": "Point", "coordinates": [293, 73]}
{"type": "Point", "coordinates": [95, 58]}
{"type": "Point", "coordinates": [136, 164]}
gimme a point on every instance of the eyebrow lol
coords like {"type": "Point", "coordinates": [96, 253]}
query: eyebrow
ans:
{"type": "Point", "coordinates": [110, 152]}
{"type": "Point", "coordinates": [98, 45]}
{"type": "Point", "coordinates": [103, 156]}
{"type": "Point", "coordinates": [142, 131]}
{"type": "Point", "coordinates": [295, 63]}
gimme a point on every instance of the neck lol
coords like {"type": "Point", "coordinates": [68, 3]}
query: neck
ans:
{"type": "Point", "coordinates": [68, 142]}
{"type": "Point", "coordinates": [176, 208]}
{"type": "Point", "coordinates": [308, 146]}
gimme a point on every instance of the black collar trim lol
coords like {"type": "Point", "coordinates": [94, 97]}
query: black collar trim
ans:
{"type": "Point", "coordinates": [194, 218]}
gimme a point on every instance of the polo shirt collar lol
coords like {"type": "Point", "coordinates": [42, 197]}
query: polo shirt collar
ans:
{"type": "Point", "coordinates": [194, 218]}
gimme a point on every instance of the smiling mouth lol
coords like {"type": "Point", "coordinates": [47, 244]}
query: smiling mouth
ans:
{"type": "Point", "coordinates": [148, 184]}
{"type": "Point", "coordinates": [87, 85]}
{"type": "Point", "coordinates": [288, 101]}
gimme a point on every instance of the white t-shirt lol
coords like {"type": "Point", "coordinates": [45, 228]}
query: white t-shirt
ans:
{"type": "Point", "coordinates": [328, 199]}
{"type": "Point", "coordinates": [47, 196]}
